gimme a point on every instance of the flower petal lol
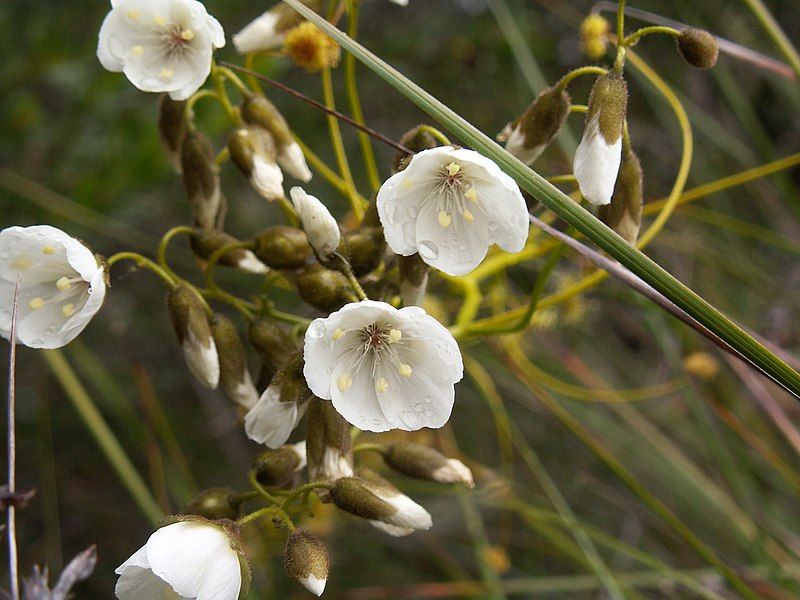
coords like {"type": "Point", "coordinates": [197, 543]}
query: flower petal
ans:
{"type": "Point", "coordinates": [271, 421]}
{"type": "Point", "coordinates": [357, 402]}
{"type": "Point", "coordinates": [596, 165]}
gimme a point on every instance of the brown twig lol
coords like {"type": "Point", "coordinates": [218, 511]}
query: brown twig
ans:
{"type": "Point", "coordinates": [11, 509]}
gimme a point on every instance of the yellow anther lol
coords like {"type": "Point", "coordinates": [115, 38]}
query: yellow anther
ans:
{"type": "Point", "coordinates": [167, 73]}
{"type": "Point", "coordinates": [395, 335]}
{"type": "Point", "coordinates": [63, 284]}
{"type": "Point", "coordinates": [187, 34]}
{"type": "Point", "coordinates": [406, 184]}
{"type": "Point", "coordinates": [468, 216]}
{"type": "Point", "coordinates": [453, 169]}
{"type": "Point", "coordinates": [21, 263]}
{"type": "Point", "coordinates": [471, 195]}
{"type": "Point", "coordinates": [68, 310]}
{"type": "Point", "coordinates": [382, 385]}
{"type": "Point", "coordinates": [405, 370]}
{"type": "Point", "coordinates": [159, 20]}
{"type": "Point", "coordinates": [36, 303]}
{"type": "Point", "coordinates": [444, 219]}
{"type": "Point", "coordinates": [344, 382]}
{"type": "Point", "coordinates": [337, 335]}
{"type": "Point", "coordinates": [133, 14]}
{"type": "Point", "coordinates": [48, 250]}
{"type": "Point", "coordinates": [137, 51]}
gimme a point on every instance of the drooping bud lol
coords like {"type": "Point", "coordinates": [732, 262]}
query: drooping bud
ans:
{"type": "Point", "coordinates": [283, 247]}
{"type": "Point", "coordinates": [306, 561]}
{"type": "Point", "coordinates": [598, 155]}
{"type": "Point", "coordinates": [624, 213]}
{"type": "Point", "coordinates": [233, 374]}
{"type": "Point", "coordinates": [172, 128]}
{"type": "Point", "coordinates": [413, 279]}
{"type": "Point", "coordinates": [328, 443]}
{"type": "Point", "coordinates": [321, 228]}
{"type": "Point", "coordinates": [215, 504]}
{"type": "Point", "coordinates": [204, 242]}
{"type": "Point", "coordinates": [322, 288]}
{"type": "Point", "coordinates": [528, 136]}
{"type": "Point", "coordinates": [698, 48]}
{"type": "Point", "coordinates": [257, 110]}
{"type": "Point", "coordinates": [311, 48]}
{"type": "Point", "coordinates": [194, 333]}
{"type": "Point", "coordinates": [201, 179]}
{"type": "Point", "coordinates": [273, 343]}
{"type": "Point", "coordinates": [267, 31]}
{"type": "Point", "coordinates": [371, 497]}
{"type": "Point", "coordinates": [276, 468]}
{"type": "Point", "coordinates": [366, 248]}
{"type": "Point", "coordinates": [253, 151]}
{"type": "Point", "coordinates": [416, 140]}
{"type": "Point", "coordinates": [421, 462]}
{"type": "Point", "coordinates": [594, 35]}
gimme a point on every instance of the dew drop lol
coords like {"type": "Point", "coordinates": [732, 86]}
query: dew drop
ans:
{"type": "Point", "coordinates": [428, 400]}
{"type": "Point", "coordinates": [418, 407]}
{"type": "Point", "coordinates": [492, 226]}
{"type": "Point", "coordinates": [316, 331]}
{"type": "Point", "coordinates": [428, 413]}
{"type": "Point", "coordinates": [429, 250]}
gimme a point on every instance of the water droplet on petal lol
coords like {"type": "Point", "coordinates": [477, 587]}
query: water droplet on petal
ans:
{"type": "Point", "coordinates": [429, 413]}
{"type": "Point", "coordinates": [492, 226]}
{"type": "Point", "coordinates": [429, 250]}
{"type": "Point", "coordinates": [316, 330]}
{"type": "Point", "coordinates": [428, 400]}
{"type": "Point", "coordinates": [418, 407]}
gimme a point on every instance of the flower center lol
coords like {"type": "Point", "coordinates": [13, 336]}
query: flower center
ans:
{"type": "Point", "coordinates": [374, 347]}
{"type": "Point", "coordinates": [178, 38]}
{"type": "Point", "coordinates": [456, 193]}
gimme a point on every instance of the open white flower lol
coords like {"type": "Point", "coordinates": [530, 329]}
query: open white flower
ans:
{"type": "Point", "coordinates": [383, 368]}
{"type": "Point", "coordinates": [318, 222]}
{"type": "Point", "coordinates": [62, 285]}
{"type": "Point", "coordinates": [191, 559]}
{"type": "Point", "coordinates": [160, 45]}
{"type": "Point", "coordinates": [449, 205]}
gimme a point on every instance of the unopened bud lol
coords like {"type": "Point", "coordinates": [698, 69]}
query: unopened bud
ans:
{"type": "Point", "coordinates": [267, 31]}
{"type": "Point", "coordinates": [366, 248]}
{"type": "Point", "coordinates": [421, 462]}
{"type": "Point", "coordinates": [273, 343]}
{"type": "Point", "coordinates": [306, 561]}
{"type": "Point", "coordinates": [172, 128]}
{"type": "Point", "coordinates": [594, 35]}
{"type": "Point", "coordinates": [417, 139]}
{"type": "Point", "coordinates": [322, 288]}
{"type": "Point", "coordinates": [702, 365]}
{"type": "Point", "coordinates": [328, 443]}
{"type": "Point", "coordinates": [624, 214]}
{"type": "Point", "coordinates": [194, 333]}
{"type": "Point", "coordinates": [321, 228]}
{"type": "Point", "coordinates": [283, 247]}
{"type": "Point", "coordinates": [233, 374]}
{"type": "Point", "coordinates": [275, 468]}
{"type": "Point", "coordinates": [201, 179]}
{"type": "Point", "coordinates": [528, 136]}
{"type": "Point", "coordinates": [413, 279]}
{"type": "Point", "coordinates": [698, 48]}
{"type": "Point", "coordinates": [215, 504]}
{"type": "Point", "coordinates": [253, 151]}
{"type": "Point", "coordinates": [204, 242]}
{"type": "Point", "coordinates": [311, 48]}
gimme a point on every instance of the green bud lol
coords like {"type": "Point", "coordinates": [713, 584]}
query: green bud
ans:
{"type": "Point", "coordinates": [421, 462]}
{"type": "Point", "coordinates": [233, 373]}
{"type": "Point", "coordinates": [322, 288]}
{"type": "Point", "coordinates": [698, 48]}
{"type": "Point", "coordinates": [275, 468]}
{"type": "Point", "coordinates": [283, 247]}
{"type": "Point", "coordinates": [273, 343]}
{"type": "Point", "coordinates": [172, 128]}
{"type": "Point", "coordinates": [416, 140]}
{"type": "Point", "coordinates": [288, 17]}
{"type": "Point", "coordinates": [306, 561]}
{"type": "Point", "coordinates": [201, 179]}
{"type": "Point", "coordinates": [194, 333]}
{"type": "Point", "coordinates": [528, 136]}
{"type": "Point", "coordinates": [413, 279]}
{"type": "Point", "coordinates": [328, 443]}
{"type": "Point", "coordinates": [366, 248]}
{"type": "Point", "coordinates": [608, 103]}
{"type": "Point", "coordinates": [204, 242]}
{"type": "Point", "coordinates": [292, 382]}
{"type": "Point", "coordinates": [257, 110]}
{"type": "Point", "coordinates": [624, 213]}
{"type": "Point", "coordinates": [351, 494]}
{"type": "Point", "coordinates": [215, 504]}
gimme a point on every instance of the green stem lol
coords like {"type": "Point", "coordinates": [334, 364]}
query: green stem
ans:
{"type": "Point", "coordinates": [639, 34]}
{"type": "Point", "coordinates": [217, 291]}
{"type": "Point", "coordinates": [218, 77]}
{"type": "Point", "coordinates": [569, 77]}
{"type": "Point", "coordinates": [367, 447]}
{"type": "Point", "coordinates": [620, 60]}
{"type": "Point", "coordinates": [269, 510]}
{"type": "Point", "coordinates": [442, 138]}
{"type": "Point", "coordinates": [161, 254]}
{"type": "Point", "coordinates": [775, 33]}
{"type": "Point", "coordinates": [143, 261]}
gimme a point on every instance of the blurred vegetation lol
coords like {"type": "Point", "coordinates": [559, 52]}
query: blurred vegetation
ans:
{"type": "Point", "coordinates": [704, 439]}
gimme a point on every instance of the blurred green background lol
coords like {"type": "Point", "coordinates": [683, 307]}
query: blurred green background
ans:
{"type": "Point", "coordinates": [79, 150]}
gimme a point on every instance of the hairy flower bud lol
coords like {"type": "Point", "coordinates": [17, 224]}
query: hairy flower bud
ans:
{"type": "Point", "coordinates": [528, 136]}
{"type": "Point", "coordinates": [267, 31]}
{"type": "Point", "coordinates": [624, 213]}
{"type": "Point", "coordinates": [201, 179]}
{"type": "Point", "coordinates": [366, 248]}
{"type": "Point", "coordinates": [283, 247]}
{"type": "Point", "coordinates": [306, 561]}
{"type": "Point", "coordinates": [594, 35]}
{"type": "Point", "coordinates": [322, 288]}
{"type": "Point", "coordinates": [421, 462]}
{"type": "Point", "coordinates": [698, 48]}
{"type": "Point", "coordinates": [275, 468]}
{"type": "Point", "coordinates": [321, 228]}
{"type": "Point", "coordinates": [273, 343]}
{"type": "Point", "coordinates": [194, 333]}
{"type": "Point", "coordinates": [328, 444]}
{"type": "Point", "coordinates": [215, 504]}
{"type": "Point", "coordinates": [233, 374]}
{"type": "Point", "coordinates": [253, 151]}
{"type": "Point", "coordinates": [311, 48]}
{"type": "Point", "coordinates": [172, 128]}
{"type": "Point", "coordinates": [413, 279]}
{"type": "Point", "coordinates": [416, 140]}
{"type": "Point", "coordinates": [204, 242]}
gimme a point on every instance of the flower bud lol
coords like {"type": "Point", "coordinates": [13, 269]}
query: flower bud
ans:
{"type": "Point", "coordinates": [275, 468]}
{"type": "Point", "coordinates": [201, 179]}
{"type": "Point", "coordinates": [194, 333]}
{"type": "Point", "coordinates": [233, 373]}
{"type": "Point", "coordinates": [371, 497]}
{"type": "Point", "coordinates": [416, 140]}
{"type": "Point", "coordinates": [528, 136]}
{"type": "Point", "coordinates": [322, 288]}
{"type": "Point", "coordinates": [701, 364]}
{"type": "Point", "coordinates": [311, 48]}
{"type": "Point", "coordinates": [215, 504]}
{"type": "Point", "coordinates": [624, 214]}
{"type": "Point", "coordinates": [413, 279]}
{"type": "Point", "coordinates": [204, 242]}
{"type": "Point", "coordinates": [320, 227]}
{"type": "Point", "coordinates": [172, 128]}
{"type": "Point", "coordinates": [253, 152]}
{"type": "Point", "coordinates": [698, 48]}
{"type": "Point", "coordinates": [283, 247]}
{"type": "Point", "coordinates": [328, 444]}
{"type": "Point", "coordinates": [594, 35]}
{"type": "Point", "coordinates": [366, 248]}
{"type": "Point", "coordinates": [273, 343]}
{"type": "Point", "coordinates": [267, 31]}
{"type": "Point", "coordinates": [421, 462]}
{"type": "Point", "coordinates": [257, 110]}
{"type": "Point", "coordinates": [306, 561]}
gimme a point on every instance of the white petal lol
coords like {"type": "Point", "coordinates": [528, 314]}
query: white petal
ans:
{"type": "Point", "coordinates": [318, 223]}
{"type": "Point", "coordinates": [202, 360]}
{"type": "Point", "coordinates": [291, 159]}
{"type": "Point", "coordinates": [454, 472]}
{"type": "Point", "coordinates": [392, 530]}
{"type": "Point", "coordinates": [216, 31]}
{"type": "Point", "coordinates": [502, 205]}
{"type": "Point", "coordinates": [409, 514]}
{"type": "Point", "coordinates": [245, 393]}
{"type": "Point", "coordinates": [358, 403]}
{"type": "Point", "coordinates": [596, 165]}
{"type": "Point", "coordinates": [267, 178]}
{"type": "Point", "coordinates": [137, 559]}
{"type": "Point", "coordinates": [515, 144]}
{"type": "Point", "coordinates": [250, 263]}
{"type": "Point", "coordinates": [271, 421]}
{"type": "Point", "coordinates": [315, 585]}
{"type": "Point", "coordinates": [259, 35]}
{"type": "Point", "coordinates": [109, 45]}
{"type": "Point", "coordinates": [142, 584]}
{"type": "Point", "coordinates": [411, 403]}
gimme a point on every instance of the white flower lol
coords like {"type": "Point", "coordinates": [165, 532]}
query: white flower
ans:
{"type": "Point", "coordinates": [290, 158]}
{"type": "Point", "coordinates": [597, 164]}
{"type": "Point", "coordinates": [160, 45]}
{"type": "Point", "coordinates": [449, 205]}
{"type": "Point", "coordinates": [383, 368]}
{"type": "Point", "coordinates": [321, 228]}
{"type": "Point", "coordinates": [260, 35]}
{"type": "Point", "coordinates": [188, 559]}
{"type": "Point", "coordinates": [62, 285]}
{"type": "Point", "coordinates": [271, 421]}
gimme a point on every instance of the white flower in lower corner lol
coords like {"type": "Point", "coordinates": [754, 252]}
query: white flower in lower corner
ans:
{"type": "Point", "coordinates": [383, 368]}
{"type": "Point", "coordinates": [163, 46]}
{"type": "Point", "coordinates": [193, 559]}
{"type": "Point", "coordinates": [321, 228]}
{"type": "Point", "coordinates": [62, 285]}
{"type": "Point", "coordinates": [449, 205]}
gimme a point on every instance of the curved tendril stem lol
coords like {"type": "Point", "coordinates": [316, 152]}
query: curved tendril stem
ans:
{"type": "Point", "coordinates": [218, 77]}
{"type": "Point", "coordinates": [188, 109]}
{"type": "Point", "coordinates": [588, 70]}
{"type": "Point", "coordinates": [217, 291]}
{"type": "Point", "coordinates": [437, 134]}
{"type": "Point", "coordinates": [143, 261]}
{"type": "Point", "coordinates": [303, 489]}
{"type": "Point", "coordinates": [161, 253]}
{"type": "Point", "coordinates": [634, 38]}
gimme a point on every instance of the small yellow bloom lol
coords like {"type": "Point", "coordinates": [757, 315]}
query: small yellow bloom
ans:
{"type": "Point", "coordinates": [310, 48]}
{"type": "Point", "coordinates": [594, 36]}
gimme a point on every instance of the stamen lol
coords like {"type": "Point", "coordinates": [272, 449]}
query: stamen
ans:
{"type": "Point", "coordinates": [337, 335]}
{"type": "Point", "coordinates": [453, 169]}
{"type": "Point", "coordinates": [167, 74]}
{"type": "Point", "coordinates": [405, 370]}
{"type": "Point", "coordinates": [444, 219]}
{"type": "Point", "coordinates": [48, 250]}
{"type": "Point", "coordinates": [68, 310]}
{"type": "Point", "coordinates": [36, 303]}
{"type": "Point", "coordinates": [344, 382]}
{"type": "Point", "coordinates": [159, 20]}
{"type": "Point", "coordinates": [395, 335]}
{"type": "Point", "coordinates": [137, 50]}
{"type": "Point", "coordinates": [133, 14]}
{"type": "Point", "coordinates": [471, 195]}
{"type": "Point", "coordinates": [382, 385]}
{"type": "Point", "coordinates": [21, 263]}
{"type": "Point", "coordinates": [63, 284]}
{"type": "Point", "coordinates": [468, 216]}
{"type": "Point", "coordinates": [187, 34]}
